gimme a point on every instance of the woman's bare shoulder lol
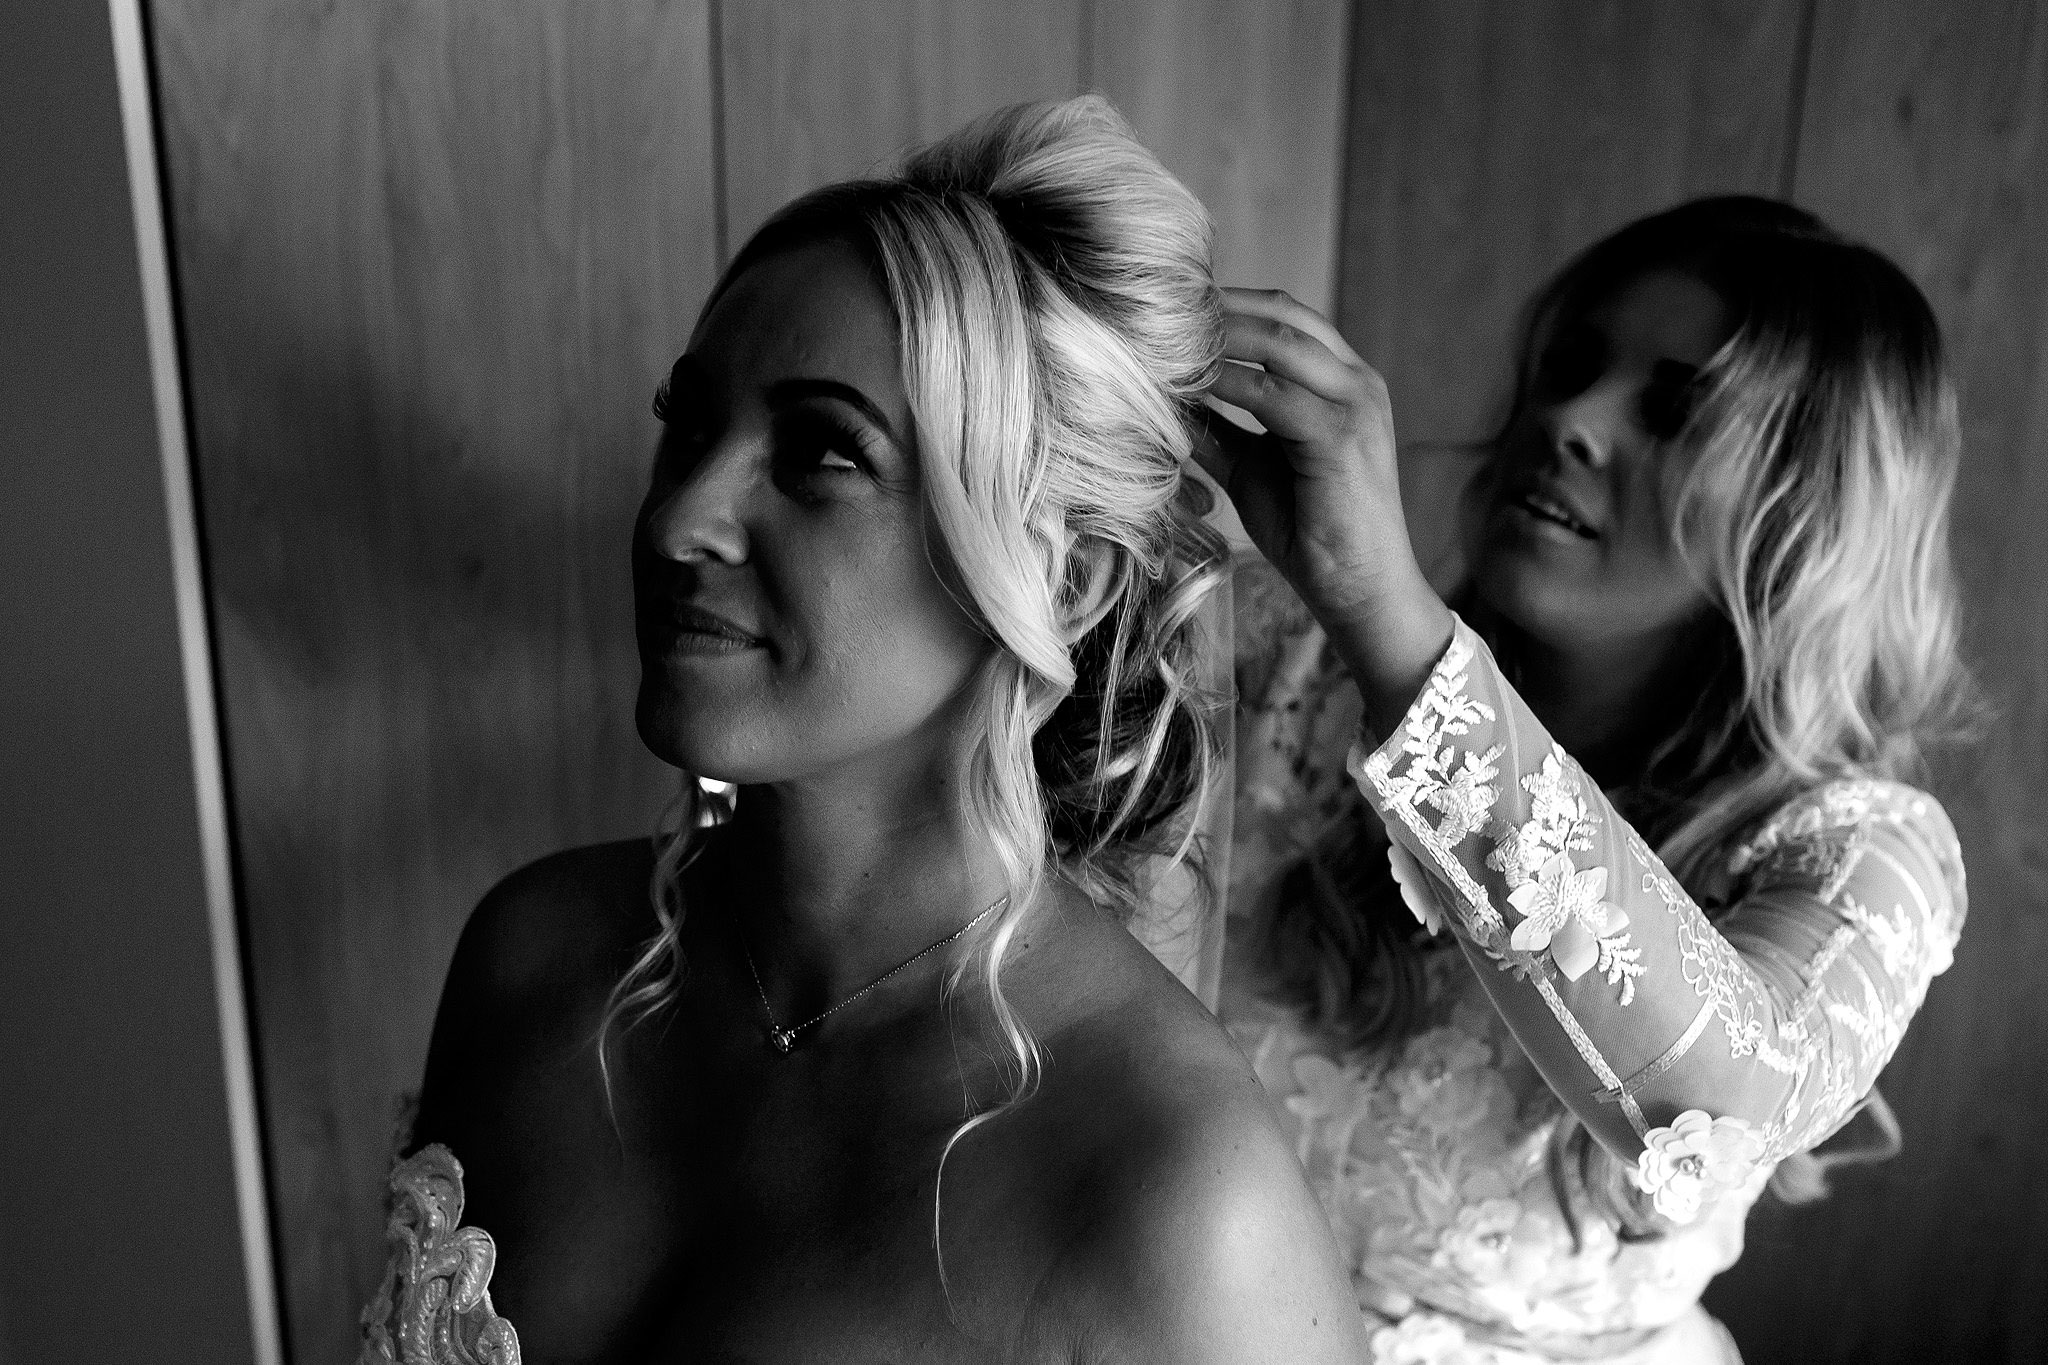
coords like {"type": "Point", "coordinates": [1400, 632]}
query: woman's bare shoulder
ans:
{"type": "Point", "coordinates": [1187, 1230]}
{"type": "Point", "coordinates": [528, 986]}
{"type": "Point", "coordinates": [555, 919]}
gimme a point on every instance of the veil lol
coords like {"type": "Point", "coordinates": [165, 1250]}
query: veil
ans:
{"type": "Point", "coordinates": [1183, 919]}
{"type": "Point", "coordinates": [1281, 719]}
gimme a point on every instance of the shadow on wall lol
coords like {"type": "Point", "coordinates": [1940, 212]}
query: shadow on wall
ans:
{"type": "Point", "coordinates": [424, 619]}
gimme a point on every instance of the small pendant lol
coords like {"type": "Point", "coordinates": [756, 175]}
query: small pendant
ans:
{"type": "Point", "coordinates": [783, 1039]}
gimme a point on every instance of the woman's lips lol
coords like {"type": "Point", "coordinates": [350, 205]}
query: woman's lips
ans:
{"type": "Point", "coordinates": [1552, 511]}
{"type": "Point", "coordinates": [694, 630]}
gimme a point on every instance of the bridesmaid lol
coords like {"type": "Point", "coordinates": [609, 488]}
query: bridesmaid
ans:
{"type": "Point", "coordinates": [1666, 901]}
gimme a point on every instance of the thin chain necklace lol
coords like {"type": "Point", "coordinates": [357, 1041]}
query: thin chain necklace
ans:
{"type": "Point", "coordinates": [784, 1039]}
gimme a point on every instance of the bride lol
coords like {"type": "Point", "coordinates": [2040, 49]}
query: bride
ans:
{"type": "Point", "coordinates": [863, 1064]}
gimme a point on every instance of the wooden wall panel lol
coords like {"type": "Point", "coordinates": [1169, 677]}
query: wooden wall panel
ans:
{"type": "Point", "coordinates": [433, 260]}
{"type": "Point", "coordinates": [1489, 141]}
{"type": "Point", "coordinates": [820, 90]}
{"type": "Point", "coordinates": [1926, 132]}
{"type": "Point", "coordinates": [1243, 100]}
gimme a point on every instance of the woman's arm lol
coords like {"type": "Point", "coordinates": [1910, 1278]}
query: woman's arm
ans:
{"type": "Point", "coordinates": [1636, 1008]}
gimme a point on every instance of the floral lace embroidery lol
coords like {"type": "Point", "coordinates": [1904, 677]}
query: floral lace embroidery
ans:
{"type": "Point", "coordinates": [1845, 977]}
{"type": "Point", "coordinates": [434, 1306]}
{"type": "Point", "coordinates": [1442, 712]}
{"type": "Point", "coordinates": [1694, 1161]}
{"type": "Point", "coordinates": [1433, 1157]}
{"type": "Point", "coordinates": [1564, 910]}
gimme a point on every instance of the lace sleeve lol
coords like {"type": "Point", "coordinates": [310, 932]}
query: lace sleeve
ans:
{"type": "Point", "coordinates": [1701, 1051]}
{"type": "Point", "coordinates": [434, 1305]}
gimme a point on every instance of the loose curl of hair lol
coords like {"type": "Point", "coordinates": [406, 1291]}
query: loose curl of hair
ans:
{"type": "Point", "coordinates": [1057, 324]}
{"type": "Point", "coordinates": [1809, 490]}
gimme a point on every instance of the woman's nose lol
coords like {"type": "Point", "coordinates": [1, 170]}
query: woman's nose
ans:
{"type": "Point", "coordinates": [1590, 426]}
{"type": "Point", "coordinates": [702, 516]}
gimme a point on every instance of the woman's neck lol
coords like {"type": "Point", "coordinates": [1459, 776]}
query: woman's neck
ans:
{"type": "Point", "coordinates": [1609, 702]}
{"type": "Point", "coordinates": [839, 877]}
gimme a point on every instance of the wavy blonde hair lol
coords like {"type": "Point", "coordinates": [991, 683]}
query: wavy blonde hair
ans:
{"type": "Point", "coordinates": [1058, 323]}
{"type": "Point", "coordinates": [1810, 496]}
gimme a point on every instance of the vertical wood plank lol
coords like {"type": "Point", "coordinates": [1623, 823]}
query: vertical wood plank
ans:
{"type": "Point", "coordinates": [819, 90]}
{"type": "Point", "coordinates": [1926, 133]}
{"type": "Point", "coordinates": [1490, 141]}
{"type": "Point", "coordinates": [432, 261]}
{"type": "Point", "coordinates": [1243, 100]}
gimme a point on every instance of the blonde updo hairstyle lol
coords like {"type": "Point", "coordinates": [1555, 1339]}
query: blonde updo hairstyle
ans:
{"type": "Point", "coordinates": [1057, 322]}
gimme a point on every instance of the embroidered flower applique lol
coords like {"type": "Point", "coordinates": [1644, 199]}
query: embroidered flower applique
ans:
{"type": "Point", "coordinates": [1416, 892]}
{"type": "Point", "coordinates": [1567, 912]}
{"type": "Point", "coordinates": [1694, 1161]}
{"type": "Point", "coordinates": [1507, 1248]}
{"type": "Point", "coordinates": [1558, 822]}
{"type": "Point", "coordinates": [1425, 1339]}
{"type": "Point", "coordinates": [1442, 712]}
{"type": "Point", "coordinates": [1477, 1244]}
{"type": "Point", "coordinates": [1446, 1081]}
{"type": "Point", "coordinates": [1331, 1101]}
{"type": "Point", "coordinates": [1467, 796]}
{"type": "Point", "coordinates": [1555, 804]}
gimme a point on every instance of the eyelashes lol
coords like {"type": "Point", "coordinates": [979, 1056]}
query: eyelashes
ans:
{"type": "Point", "coordinates": [811, 443]}
{"type": "Point", "coordinates": [809, 447]}
{"type": "Point", "coordinates": [818, 443]}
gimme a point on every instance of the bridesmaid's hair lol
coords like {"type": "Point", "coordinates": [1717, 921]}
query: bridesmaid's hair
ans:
{"type": "Point", "coordinates": [1817, 462]}
{"type": "Point", "coordinates": [1820, 456]}
{"type": "Point", "coordinates": [1057, 323]}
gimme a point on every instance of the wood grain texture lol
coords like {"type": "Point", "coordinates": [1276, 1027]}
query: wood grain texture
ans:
{"type": "Point", "coordinates": [1925, 132]}
{"type": "Point", "coordinates": [1489, 141]}
{"type": "Point", "coordinates": [1244, 101]}
{"type": "Point", "coordinates": [819, 90]}
{"type": "Point", "coordinates": [433, 260]}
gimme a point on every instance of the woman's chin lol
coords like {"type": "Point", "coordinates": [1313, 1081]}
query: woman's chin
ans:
{"type": "Point", "coordinates": [1531, 595]}
{"type": "Point", "coordinates": [687, 738]}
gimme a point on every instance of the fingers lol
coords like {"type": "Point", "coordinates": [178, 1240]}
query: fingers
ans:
{"type": "Point", "coordinates": [1277, 305]}
{"type": "Point", "coordinates": [1221, 445]}
{"type": "Point", "coordinates": [1288, 367]}
{"type": "Point", "coordinates": [1293, 355]}
{"type": "Point", "coordinates": [1289, 410]}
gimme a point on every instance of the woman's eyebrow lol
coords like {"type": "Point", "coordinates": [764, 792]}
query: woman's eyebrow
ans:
{"type": "Point", "coordinates": [785, 391]}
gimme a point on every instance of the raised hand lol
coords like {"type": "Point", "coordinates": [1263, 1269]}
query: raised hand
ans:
{"type": "Point", "coordinates": [1319, 492]}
